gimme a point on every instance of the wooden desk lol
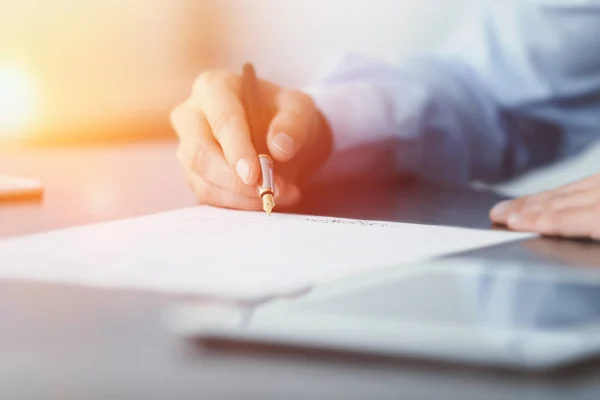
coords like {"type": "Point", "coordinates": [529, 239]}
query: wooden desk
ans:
{"type": "Point", "coordinates": [77, 343]}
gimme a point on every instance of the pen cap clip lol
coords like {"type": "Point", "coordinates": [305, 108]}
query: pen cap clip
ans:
{"type": "Point", "coordinates": [266, 166]}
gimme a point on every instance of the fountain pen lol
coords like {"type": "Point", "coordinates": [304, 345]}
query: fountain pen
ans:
{"type": "Point", "coordinates": [258, 130]}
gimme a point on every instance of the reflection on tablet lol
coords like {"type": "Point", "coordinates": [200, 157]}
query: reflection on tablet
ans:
{"type": "Point", "coordinates": [487, 299]}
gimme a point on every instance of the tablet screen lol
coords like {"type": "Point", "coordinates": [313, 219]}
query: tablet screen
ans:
{"type": "Point", "coordinates": [483, 298]}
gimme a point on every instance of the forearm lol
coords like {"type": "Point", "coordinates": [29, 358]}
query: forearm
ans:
{"type": "Point", "coordinates": [516, 91]}
{"type": "Point", "coordinates": [429, 117]}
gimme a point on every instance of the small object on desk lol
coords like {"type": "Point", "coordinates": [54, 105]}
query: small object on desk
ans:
{"type": "Point", "coordinates": [14, 188]}
{"type": "Point", "coordinates": [258, 131]}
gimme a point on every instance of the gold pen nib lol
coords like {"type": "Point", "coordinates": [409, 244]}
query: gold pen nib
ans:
{"type": "Point", "coordinates": [268, 203]}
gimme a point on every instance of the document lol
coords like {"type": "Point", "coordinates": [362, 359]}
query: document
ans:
{"type": "Point", "coordinates": [230, 254]}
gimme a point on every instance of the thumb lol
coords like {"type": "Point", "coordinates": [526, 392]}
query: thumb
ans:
{"type": "Point", "coordinates": [291, 125]}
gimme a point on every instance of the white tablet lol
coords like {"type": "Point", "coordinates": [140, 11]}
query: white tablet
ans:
{"type": "Point", "coordinates": [460, 310]}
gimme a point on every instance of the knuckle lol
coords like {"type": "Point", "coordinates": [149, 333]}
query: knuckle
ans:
{"type": "Point", "coordinates": [221, 122]}
{"type": "Point", "coordinates": [201, 191]}
{"type": "Point", "coordinates": [199, 159]}
{"type": "Point", "coordinates": [550, 222]}
{"type": "Point", "coordinates": [552, 206]}
{"type": "Point", "coordinates": [210, 79]}
{"type": "Point", "coordinates": [235, 184]}
{"type": "Point", "coordinates": [202, 197]}
{"type": "Point", "coordinates": [204, 80]}
{"type": "Point", "coordinates": [519, 204]}
{"type": "Point", "coordinates": [302, 100]}
{"type": "Point", "coordinates": [176, 115]}
{"type": "Point", "coordinates": [185, 157]}
{"type": "Point", "coordinates": [528, 201]}
{"type": "Point", "coordinates": [180, 154]}
{"type": "Point", "coordinates": [190, 178]}
{"type": "Point", "coordinates": [193, 158]}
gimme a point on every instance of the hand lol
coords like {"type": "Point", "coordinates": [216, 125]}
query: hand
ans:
{"type": "Point", "coordinates": [570, 211]}
{"type": "Point", "coordinates": [216, 148]}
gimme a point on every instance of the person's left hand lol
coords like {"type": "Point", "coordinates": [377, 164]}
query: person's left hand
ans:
{"type": "Point", "coordinates": [570, 211]}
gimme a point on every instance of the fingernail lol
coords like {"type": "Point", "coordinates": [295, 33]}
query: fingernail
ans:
{"type": "Point", "coordinates": [500, 208]}
{"type": "Point", "coordinates": [243, 169]}
{"type": "Point", "coordinates": [514, 219]}
{"type": "Point", "coordinates": [284, 143]}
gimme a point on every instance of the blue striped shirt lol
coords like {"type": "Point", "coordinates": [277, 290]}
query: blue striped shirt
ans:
{"type": "Point", "coordinates": [518, 89]}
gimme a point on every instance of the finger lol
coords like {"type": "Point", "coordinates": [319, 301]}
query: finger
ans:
{"type": "Point", "coordinates": [209, 193]}
{"type": "Point", "coordinates": [214, 195]}
{"type": "Point", "coordinates": [571, 222]}
{"type": "Point", "coordinates": [501, 211]}
{"type": "Point", "coordinates": [199, 151]}
{"type": "Point", "coordinates": [560, 201]}
{"type": "Point", "coordinates": [210, 165]}
{"type": "Point", "coordinates": [290, 128]}
{"type": "Point", "coordinates": [556, 200]}
{"type": "Point", "coordinates": [583, 184]}
{"type": "Point", "coordinates": [216, 171]}
{"type": "Point", "coordinates": [188, 124]}
{"type": "Point", "coordinates": [219, 99]}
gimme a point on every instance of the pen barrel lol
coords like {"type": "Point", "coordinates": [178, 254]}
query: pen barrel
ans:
{"type": "Point", "coordinates": [267, 183]}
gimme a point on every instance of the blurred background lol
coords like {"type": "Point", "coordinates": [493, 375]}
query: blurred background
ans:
{"type": "Point", "coordinates": [77, 71]}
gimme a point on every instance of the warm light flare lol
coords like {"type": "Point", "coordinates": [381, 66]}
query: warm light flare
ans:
{"type": "Point", "coordinates": [16, 100]}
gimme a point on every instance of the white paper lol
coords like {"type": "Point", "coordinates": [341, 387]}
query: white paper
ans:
{"type": "Point", "coordinates": [226, 253]}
